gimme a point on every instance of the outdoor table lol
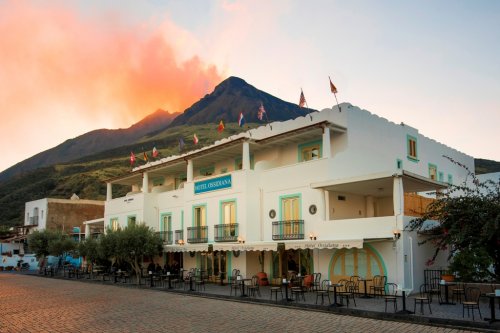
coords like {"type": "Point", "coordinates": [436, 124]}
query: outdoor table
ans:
{"type": "Point", "coordinates": [243, 287]}
{"type": "Point", "coordinates": [191, 278]}
{"type": "Point", "coordinates": [404, 311]}
{"type": "Point", "coordinates": [446, 285]}
{"type": "Point", "coordinates": [222, 274]}
{"type": "Point", "coordinates": [335, 304]}
{"type": "Point", "coordinates": [285, 283]}
{"type": "Point", "coordinates": [365, 295]}
{"type": "Point", "coordinates": [492, 297]}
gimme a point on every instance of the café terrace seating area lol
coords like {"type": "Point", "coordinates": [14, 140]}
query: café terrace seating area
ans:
{"type": "Point", "coordinates": [433, 300]}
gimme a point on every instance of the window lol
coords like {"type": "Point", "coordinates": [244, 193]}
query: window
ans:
{"type": "Point", "coordinates": [441, 176]}
{"type": "Point", "coordinates": [412, 148]}
{"type": "Point", "coordinates": [199, 216]}
{"type": "Point", "coordinates": [228, 211]}
{"type": "Point", "coordinates": [450, 179]}
{"type": "Point", "coordinates": [166, 222]}
{"type": "Point", "coordinates": [310, 151]}
{"type": "Point", "coordinates": [114, 224]}
{"type": "Point", "coordinates": [399, 164]}
{"type": "Point", "coordinates": [130, 220]}
{"type": "Point", "coordinates": [290, 208]}
{"type": "Point", "coordinates": [432, 172]}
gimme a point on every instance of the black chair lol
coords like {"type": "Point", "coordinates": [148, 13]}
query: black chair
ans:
{"type": "Point", "coordinates": [471, 301]}
{"type": "Point", "coordinates": [316, 281]}
{"type": "Point", "coordinates": [235, 285]}
{"type": "Point", "coordinates": [391, 295]}
{"type": "Point", "coordinates": [347, 291]}
{"type": "Point", "coordinates": [423, 297]}
{"type": "Point", "coordinates": [355, 279]}
{"type": "Point", "coordinates": [458, 292]}
{"type": "Point", "coordinates": [435, 289]}
{"type": "Point", "coordinates": [275, 289]}
{"type": "Point", "coordinates": [254, 287]}
{"type": "Point", "coordinates": [323, 291]}
{"type": "Point", "coordinates": [378, 287]}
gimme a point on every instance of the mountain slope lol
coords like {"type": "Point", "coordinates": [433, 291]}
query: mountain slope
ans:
{"type": "Point", "coordinates": [90, 143]}
{"type": "Point", "coordinates": [233, 96]}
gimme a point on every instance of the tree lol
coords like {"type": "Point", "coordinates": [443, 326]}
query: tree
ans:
{"type": "Point", "coordinates": [468, 218]}
{"type": "Point", "coordinates": [131, 245]}
{"type": "Point", "coordinates": [49, 242]}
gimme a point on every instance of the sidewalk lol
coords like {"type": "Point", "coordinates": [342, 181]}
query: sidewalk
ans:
{"type": "Point", "coordinates": [442, 315]}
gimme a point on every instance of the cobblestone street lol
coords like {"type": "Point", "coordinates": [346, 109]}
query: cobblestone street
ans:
{"type": "Point", "coordinates": [34, 304]}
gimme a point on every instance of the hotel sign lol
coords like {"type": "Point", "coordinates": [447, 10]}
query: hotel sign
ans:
{"type": "Point", "coordinates": [213, 184]}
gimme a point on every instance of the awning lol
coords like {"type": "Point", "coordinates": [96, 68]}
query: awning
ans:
{"type": "Point", "coordinates": [187, 248]}
{"type": "Point", "coordinates": [324, 244]}
{"type": "Point", "coordinates": [256, 246]}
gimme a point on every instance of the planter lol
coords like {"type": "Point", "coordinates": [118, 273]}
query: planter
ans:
{"type": "Point", "coordinates": [263, 281]}
{"type": "Point", "coordinates": [448, 277]}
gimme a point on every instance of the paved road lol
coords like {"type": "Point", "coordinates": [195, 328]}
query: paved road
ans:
{"type": "Point", "coordinates": [36, 304]}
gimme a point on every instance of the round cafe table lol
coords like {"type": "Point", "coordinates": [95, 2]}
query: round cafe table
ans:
{"type": "Point", "coordinates": [365, 294]}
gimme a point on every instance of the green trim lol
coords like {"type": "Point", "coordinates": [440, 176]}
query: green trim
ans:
{"type": "Point", "coordinates": [430, 165]}
{"type": "Point", "coordinates": [450, 179]}
{"type": "Point", "coordinates": [238, 161]}
{"type": "Point", "coordinates": [411, 158]}
{"type": "Point", "coordinates": [399, 164]}
{"type": "Point", "coordinates": [129, 217]}
{"type": "Point", "coordinates": [378, 256]}
{"type": "Point", "coordinates": [162, 216]}
{"type": "Point", "coordinates": [295, 195]}
{"type": "Point", "coordinates": [229, 263]}
{"type": "Point", "coordinates": [221, 212]}
{"type": "Point", "coordinates": [441, 176]}
{"type": "Point", "coordinates": [310, 144]}
{"type": "Point", "coordinates": [205, 171]}
{"type": "Point", "coordinates": [197, 206]}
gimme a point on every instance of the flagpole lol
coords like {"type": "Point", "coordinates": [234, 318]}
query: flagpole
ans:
{"type": "Point", "coordinates": [334, 94]}
{"type": "Point", "coordinates": [305, 100]}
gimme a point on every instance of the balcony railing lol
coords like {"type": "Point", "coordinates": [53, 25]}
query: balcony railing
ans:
{"type": "Point", "coordinates": [166, 237]}
{"type": "Point", "coordinates": [197, 234]}
{"type": "Point", "coordinates": [179, 236]}
{"type": "Point", "coordinates": [33, 220]}
{"type": "Point", "coordinates": [286, 230]}
{"type": "Point", "coordinates": [226, 232]}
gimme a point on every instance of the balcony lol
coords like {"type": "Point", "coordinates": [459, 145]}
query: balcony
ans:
{"type": "Point", "coordinates": [179, 236]}
{"type": "Point", "coordinates": [226, 232]}
{"type": "Point", "coordinates": [197, 234]}
{"type": "Point", "coordinates": [166, 237]}
{"type": "Point", "coordinates": [33, 220]}
{"type": "Point", "coordinates": [288, 230]}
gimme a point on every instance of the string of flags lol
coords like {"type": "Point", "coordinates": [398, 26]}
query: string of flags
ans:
{"type": "Point", "coordinates": [261, 113]}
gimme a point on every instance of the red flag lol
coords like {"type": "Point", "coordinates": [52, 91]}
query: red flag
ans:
{"type": "Point", "coordinates": [332, 87]}
{"type": "Point", "coordinates": [132, 158]}
{"type": "Point", "coordinates": [195, 139]}
{"type": "Point", "coordinates": [220, 128]}
{"type": "Point", "coordinates": [261, 112]}
{"type": "Point", "coordinates": [155, 152]}
{"type": "Point", "coordinates": [302, 100]}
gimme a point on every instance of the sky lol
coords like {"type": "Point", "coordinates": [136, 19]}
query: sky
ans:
{"type": "Point", "coordinates": [69, 67]}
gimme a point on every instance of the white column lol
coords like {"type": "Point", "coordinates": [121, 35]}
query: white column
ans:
{"type": "Point", "coordinates": [145, 183]}
{"type": "Point", "coordinates": [246, 156]}
{"type": "Point", "coordinates": [370, 207]}
{"type": "Point", "coordinates": [398, 196]}
{"type": "Point", "coordinates": [109, 191]}
{"type": "Point", "coordinates": [326, 198]}
{"type": "Point", "coordinates": [327, 151]}
{"type": "Point", "coordinates": [189, 171]}
{"type": "Point", "coordinates": [87, 231]}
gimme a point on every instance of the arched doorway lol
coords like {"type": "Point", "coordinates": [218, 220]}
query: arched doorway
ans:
{"type": "Point", "coordinates": [365, 262]}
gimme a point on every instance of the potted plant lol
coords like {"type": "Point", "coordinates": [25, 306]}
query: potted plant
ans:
{"type": "Point", "coordinates": [448, 275]}
{"type": "Point", "coordinates": [262, 275]}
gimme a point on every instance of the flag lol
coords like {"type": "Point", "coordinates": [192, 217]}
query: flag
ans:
{"type": "Point", "coordinates": [302, 100]}
{"type": "Point", "coordinates": [241, 120]}
{"type": "Point", "coordinates": [220, 128]}
{"type": "Point", "coordinates": [181, 144]}
{"type": "Point", "coordinates": [132, 158]}
{"type": "Point", "coordinates": [332, 87]}
{"type": "Point", "coordinates": [145, 157]}
{"type": "Point", "coordinates": [260, 113]}
{"type": "Point", "coordinates": [195, 139]}
{"type": "Point", "coordinates": [155, 152]}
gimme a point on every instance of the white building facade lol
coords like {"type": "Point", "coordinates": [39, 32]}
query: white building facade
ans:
{"type": "Point", "coordinates": [327, 193]}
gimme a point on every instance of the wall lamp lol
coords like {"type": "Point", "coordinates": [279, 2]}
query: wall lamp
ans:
{"type": "Point", "coordinates": [241, 240]}
{"type": "Point", "coordinates": [180, 242]}
{"type": "Point", "coordinates": [396, 233]}
{"type": "Point", "coordinates": [312, 237]}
